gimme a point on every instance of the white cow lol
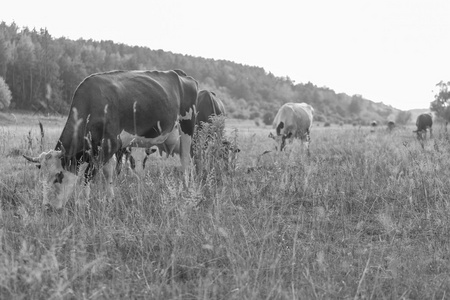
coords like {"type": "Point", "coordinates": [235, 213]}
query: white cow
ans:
{"type": "Point", "coordinates": [293, 120]}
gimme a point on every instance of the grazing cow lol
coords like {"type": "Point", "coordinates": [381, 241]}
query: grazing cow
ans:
{"type": "Point", "coordinates": [111, 111]}
{"type": "Point", "coordinates": [293, 120]}
{"type": "Point", "coordinates": [423, 122]}
{"type": "Point", "coordinates": [374, 125]}
{"type": "Point", "coordinates": [208, 105]}
{"type": "Point", "coordinates": [391, 125]}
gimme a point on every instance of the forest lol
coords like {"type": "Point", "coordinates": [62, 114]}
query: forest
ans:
{"type": "Point", "coordinates": [42, 73]}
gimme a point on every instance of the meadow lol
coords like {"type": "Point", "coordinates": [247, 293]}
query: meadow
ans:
{"type": "Point", "coordinates": [365, 216]}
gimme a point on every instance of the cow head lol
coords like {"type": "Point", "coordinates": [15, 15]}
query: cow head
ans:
{"type": "Point", "coordinates": [58, 183]}
{"type": "Point", "coordinates": [421, 134]}
{"type": "Point", "coordinates": [280, 139]}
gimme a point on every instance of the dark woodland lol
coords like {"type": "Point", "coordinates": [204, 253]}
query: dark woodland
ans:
{"type": "Point", "coordinates": [42, 72]}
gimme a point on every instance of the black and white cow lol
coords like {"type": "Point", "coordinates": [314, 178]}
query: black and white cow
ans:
{"type": "Point", "coordinates": [111, 111]}
{"type": "Point", "coordinates": [424, 122]}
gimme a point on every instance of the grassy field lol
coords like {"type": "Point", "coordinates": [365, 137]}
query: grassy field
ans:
{"type": "Point", "coordinates": [366, 216]}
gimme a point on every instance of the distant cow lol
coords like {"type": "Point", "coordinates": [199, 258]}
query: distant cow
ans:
{"type": "Point", "coordinates": [111, 111]}
{"type": "Point", "coordinates": [293, 120]}
{"type": "Point", "coordinates": [424, 122]}
{"type": "Point", "coordinates": [391, 125]}
{"type": "Point", "coordinates": [373, 124]}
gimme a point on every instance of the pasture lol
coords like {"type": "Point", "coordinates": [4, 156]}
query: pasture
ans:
{"type": "Point", "coordinates": [366, 216]}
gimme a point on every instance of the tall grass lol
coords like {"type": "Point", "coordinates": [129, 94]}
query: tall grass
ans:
{"type": "Point", "coordinates": [365, 216]}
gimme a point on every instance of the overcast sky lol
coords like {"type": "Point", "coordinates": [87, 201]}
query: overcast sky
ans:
{"type": "Point", "coordinates": [390, 51]}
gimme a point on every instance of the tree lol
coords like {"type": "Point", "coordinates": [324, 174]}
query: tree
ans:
{"type": "Point", "coordinates": [24, 62]}
{"type": "Point", "coordinates": [354, 107]}
{"type": "Point", "coordinates": [5, 54]}
{"type": "Point", "coordinates": [5, 94]}
{"type": "Point", "coordinates": [441, 105]}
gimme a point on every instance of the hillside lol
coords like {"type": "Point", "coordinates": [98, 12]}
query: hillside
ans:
{"type": "Point", "coordinates": [42, 73]}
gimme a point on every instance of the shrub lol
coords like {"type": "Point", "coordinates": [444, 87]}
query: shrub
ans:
{"type": "Point", "coordinates": [268, 118]}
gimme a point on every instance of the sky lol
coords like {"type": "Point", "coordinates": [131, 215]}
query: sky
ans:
{"type": "Point", "coordinates": [390, 51]}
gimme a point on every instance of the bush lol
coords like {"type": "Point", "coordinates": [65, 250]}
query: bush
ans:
{"type": "Point", "coordinates": [5, 94]}
{"type": "Point", "coordinates": [240, 116]}
{"type": "Point", "coordinates": [254, 115]}
{"type": "Point", "coordinates": [268, 118]}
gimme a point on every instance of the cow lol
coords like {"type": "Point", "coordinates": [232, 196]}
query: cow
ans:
{"type": "Point", "coordinates": [111, 111]}
{"type": "Point", "coordinates": [293, 120]}
{"type": "Point", "coordinates": [208, 105]}
{"type": "Point", "coordinates": [424, 122]}
{"type": "Point", "coordinates": [373, 126]}
{"type": "Point", "coordinates": [391, 125]}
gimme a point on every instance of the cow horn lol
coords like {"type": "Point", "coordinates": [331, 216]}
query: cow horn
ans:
{"type": "Point", "coordinates": [32, 159]}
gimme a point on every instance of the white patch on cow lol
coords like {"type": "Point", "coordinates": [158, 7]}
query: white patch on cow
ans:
{"type": "Point", "coordinates": [57, 194]}
{"type": "Point", "coordinates": [139, 155]}
{"type": "Point", "coordinates": [132, 140]}
{"type": "Point", "coordinates": [108, 171]}
{"type": "Point", "coordinates": [189, 114]}
{"type": "Point", "coordinates": [158, 124]}
{"type": "Point", "coordinates": [59, 184]}
{"type": "Point", "coordinates": [172, 144]}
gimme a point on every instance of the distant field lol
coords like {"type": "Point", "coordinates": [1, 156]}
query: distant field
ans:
{"type": "Point", "coordinates": [366, 216]}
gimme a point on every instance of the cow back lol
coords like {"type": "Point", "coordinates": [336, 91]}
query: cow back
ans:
{"type": "Point", "coordinates": [424, 121]}
{"type": "Point", "coordinates": [296, 118]}
{"type": "Point", "coordinates": [144, 103]}
{"type": "Point", "coordinates": [208, 104]}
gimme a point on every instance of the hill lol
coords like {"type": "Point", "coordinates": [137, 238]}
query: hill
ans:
{"type": "Point", "coordinates": [42, 73]}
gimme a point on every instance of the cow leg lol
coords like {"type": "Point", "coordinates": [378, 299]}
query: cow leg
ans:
{"type": "Point", "coordinates": [108, 172]}
{"type": "Point", "coordinates": [308, 140]}
{"type": "Point", "coordinates": [110, 146]}
{"type": "Point", "coordinates": [84, 177]}
{"type": "Point", "coordinates": [186, 129]}
{"type": "Point", "coordinates": [431, 132]}
{"type": "Point", "coordinates": [185, 150]}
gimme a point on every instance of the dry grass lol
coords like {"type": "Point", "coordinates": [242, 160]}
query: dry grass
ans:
{"type": "Point", "coordinates": [366, 216]}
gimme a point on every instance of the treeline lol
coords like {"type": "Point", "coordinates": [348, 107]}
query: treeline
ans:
{"type": "Point", "coordinates": [42, 73]}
